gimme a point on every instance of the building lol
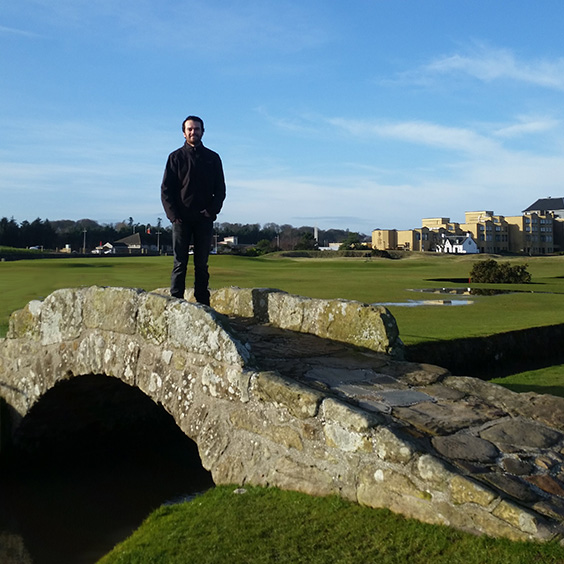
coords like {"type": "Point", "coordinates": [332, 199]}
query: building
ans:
{"type": "Point", "coordinates": [532, 233]}
{"type": "Point", "coordinates": [457, 244]}
{"type": "Point", "coordinates": [538, 231]}
{"type": "Point", "coordinates": [547, 205]}
{"type": "Point", "coordinates": [555, 206]}
{"type": "Point", "coordinates": [490, 231]}
{"type": "Point", "coordinates": [405, 240]}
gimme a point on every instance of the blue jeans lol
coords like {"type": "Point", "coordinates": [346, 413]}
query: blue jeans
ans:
{"type": "Point", "coordinates": [199, 231]}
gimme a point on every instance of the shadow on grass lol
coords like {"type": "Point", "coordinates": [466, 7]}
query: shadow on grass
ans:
{"type": "Point", "coordinates": [84, 265]}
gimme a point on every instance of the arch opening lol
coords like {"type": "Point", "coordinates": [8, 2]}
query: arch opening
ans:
{"type": "Point", "coordinates": [88, 463]}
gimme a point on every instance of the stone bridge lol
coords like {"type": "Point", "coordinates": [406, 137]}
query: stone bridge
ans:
{"type": "Point", "coordinates": [306, 394]}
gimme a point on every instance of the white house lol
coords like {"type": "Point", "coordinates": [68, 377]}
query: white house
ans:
{"type": "Point", "coordinates": [457, 244]}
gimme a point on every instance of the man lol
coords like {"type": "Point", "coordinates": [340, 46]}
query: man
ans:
{"type": "Point", "coordinates": [192, 193]}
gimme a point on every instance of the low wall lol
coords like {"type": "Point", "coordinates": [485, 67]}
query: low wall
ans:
{"type": "Point", "coordinates": [348, 321]}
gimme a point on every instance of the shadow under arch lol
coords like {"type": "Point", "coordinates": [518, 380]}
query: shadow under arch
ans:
{"type": "Point", "coordinates": [88, 462]}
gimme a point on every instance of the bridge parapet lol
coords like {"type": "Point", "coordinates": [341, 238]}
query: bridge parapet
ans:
{"type": "Point", "coordinates": [270, 406]}
{"type": "Point", "coordinates": [349, 321]}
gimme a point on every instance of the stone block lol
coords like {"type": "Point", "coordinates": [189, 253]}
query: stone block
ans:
{"type": "Point", "coordinates": [284, 435]}
{"type": "Point", "coordinates": [513, 434]}
{"type": "Point", "coordinates": [348, 416]}
{"type": "Point", "coordinates": [517, 516]}
{"type": "Point", "coordinates": [466, 447]}
{"type": "Point", "coordinates": [389, 446]}
{"type": "Point", "coordinates": [61, 316]}
{"type": "Point", "coordinates": [111, 309]}
{"type": "Point", "coordinates": [464, 490]}
{"type": "Point", "coordinates": [300, 401]}
{"type": "Point", "coordinates": [289, 473]}
{"type": "Point", "coordinates": [433, 470]}
{"type": "Point", "coordinates": [26, 321]}
{"type": "Point", "coordinates": [152, 319]}
{"type": "Point", "coordinates": [200, 330]}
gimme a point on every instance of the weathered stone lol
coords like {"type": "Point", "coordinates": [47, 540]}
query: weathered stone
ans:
{"type": "Point", "coordinates": [403, 397]}
{"type": "Point", "coordinates": [513, 434]}
{"type": "Point", "coordinates": [472, 468]}
{"type": "Point", "coordinates": [505, 399]}
{"type": "Point", "coordinates": [61, 316]}
{"type": "Point", "coordinates": [547, 409]}
{"type": "Point", "coordinates": [152, 319]}
{"type": "Point", "coordinates": [290, 474]}
{"type": "Point", "coordinates": [466, 447]}
{"type": "Point", "coordinates": [415, 373]}
{"type": "Point", "coordinates": [517, 466]}
{"type": "Point", "coordinates": [233, 300]}
{"type": "Point", "coordinates": [544, 462]}
{"type": "Point", "coordinates": [511, 486]}
{"type": "Point", "coordinates": [335, 376]}
{"type": "Point", "coordinates": [553, 509]}
{"type": "Point", "coordinates": [300, 401]}
{"type": "Point", "coordinates": [360, 324]}
{"type": "Point", "coordinates": [26, 322]}
{"type": "Point", "coordinates": [348, 416]}
{"type": "Point", "coordinates": [464, 490]}
{"type": "Point", "coordinates": [377, 484]}
{"type": "Point", "coordinates": [547, 483]}
{"type": "Point", "coordinates": [441, 392]}
{"type": "Point", "coordinates": [433, 470]}
{"type": "Point", "coordinates": [111, 309]}
{"type": "Point", "coordinates": [517, 516]}
{"type": "Point", "coordinates": [281, 434]}
{"type": "Point", "coordinates": [389, 446]}
{"type": "Point", "coordinates": [195, 328]}
{"type": "Point", "coordinates": [445, 418]}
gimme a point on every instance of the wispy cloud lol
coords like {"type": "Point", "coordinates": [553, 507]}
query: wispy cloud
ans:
{"type": "Point", "coordinates": [421, 133]}
{"type": "Point", "coordinates": [526, 126]}
{"type": "Point", "coordinates": [488, 64]}
{"type": "Point", "coordinates": [198, 27]}
{"type": "Point", "coordinates": [14, 31]}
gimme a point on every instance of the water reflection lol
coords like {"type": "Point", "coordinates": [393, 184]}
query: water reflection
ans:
{"type": "Point", "coordinates": [435, 302]}
{"type": "Point", "coordinates": [415, 303]}
{"type": "Point", "coordinates": [84, 476]}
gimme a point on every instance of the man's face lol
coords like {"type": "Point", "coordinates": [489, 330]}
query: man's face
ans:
{"type": "Point", "coordinates": [193, 132]}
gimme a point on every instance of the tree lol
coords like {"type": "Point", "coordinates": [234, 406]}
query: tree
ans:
{"type": "Point", "coordinates": [306, 242]}
{"type": "Point", "coordinates": [491, 272]}
{"type": "Point", "coordinates": [9, 232]}
{"type": "Point", "coordinates": [352, 242]}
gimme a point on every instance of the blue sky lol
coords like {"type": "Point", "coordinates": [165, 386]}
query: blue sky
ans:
{"type": "Point", "coordinates": [361, 115]}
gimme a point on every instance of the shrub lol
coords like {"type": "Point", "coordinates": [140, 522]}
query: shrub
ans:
{"type": "Point", "coordinates": [491, 272]}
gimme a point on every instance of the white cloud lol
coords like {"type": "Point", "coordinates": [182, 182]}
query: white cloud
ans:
{"type": "Point", "coordinates": [421, 133]}
{"type": "Point", "coordinates": [527, 125]}
{"type": "Point", "coordinates": [489, 64]}
{"type": "Point", "coordinates": [19, 32]}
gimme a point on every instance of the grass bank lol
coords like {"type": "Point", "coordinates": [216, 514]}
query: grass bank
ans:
{"type": "Point", "coordinates": [266, 525]}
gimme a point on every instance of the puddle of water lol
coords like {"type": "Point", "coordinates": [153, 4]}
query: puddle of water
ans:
{"type": "Point", "coordinates": [416, 303]}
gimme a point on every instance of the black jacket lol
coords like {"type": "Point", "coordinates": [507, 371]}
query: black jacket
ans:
{"type": "Point", "coordinates": [193, 181]}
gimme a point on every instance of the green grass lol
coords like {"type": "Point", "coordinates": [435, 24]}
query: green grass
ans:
{"type": "Point", "coordinates": [266, 525]}
{"type": "Point", "coordinates": [366, 280]}
{"type": "Point", "coordinates": [548, 380]}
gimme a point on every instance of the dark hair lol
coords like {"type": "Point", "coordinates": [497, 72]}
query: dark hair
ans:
{"type": "Point", "coordinates": [193, 118]}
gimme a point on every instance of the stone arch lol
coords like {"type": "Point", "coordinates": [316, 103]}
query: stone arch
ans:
{"type": "Point", "coordinates": [258, 426]}
{"type": "Point", "coordinates": [170, 349]}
